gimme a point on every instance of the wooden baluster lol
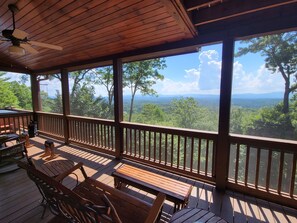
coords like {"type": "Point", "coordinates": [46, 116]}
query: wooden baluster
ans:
{"type": "Point", "coordinates": [206, 156]}
{"type": "Point", "coordinates": [192, 154]}
{"type": "Point", "coordinates": [257, 167]}
{"type": "Point", "coordinates": [144, 144]}
{"type": "Point", "coordinates": [268, 170]}
{"type": "Point", "coordinates": [237, 162]}
{"type": "Point", "coordinates": [280, 176]}
{"type": "Point", "coordinates": [149, 145]}
{"type": "Point", "coordinates": [155, 139]}
{"type": "Point", "coordinates": [185, 152]}
{"type": "Point", "coordinates": [160, 147]}
{"type": "Point", "coordinates": [178, 150]}
{"type": "Point", "coordinates": [199, 155]}
{"type": "Point", "coordinates": [166, 148]}
{"type": "Point", "coordinates": [247, 162]}
{"type": "Point", "coordinates": [294, 166]}
{"type": "Point", "coordinates": [172, 148]}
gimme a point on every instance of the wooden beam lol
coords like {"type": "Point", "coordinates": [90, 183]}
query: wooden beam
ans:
{"type": "Point", "coordinates": [118, 106]}
{"type": "Point", "coordinates": [15, 69]}
{"type": "Point", "coordinates": [178, 12]}
{"type": "Point", "coordinates": [35, 91]}
{"type": "Point", "coordinates": [65, 103]}
{"type": "Point", "coordinates": [222, 149]}
{"type": "Point", "coordinates": [234, 8]}
{"type": "Point", "coordinates": [279, 19]}
{"type": "Point", "coordinates": [191, 5]}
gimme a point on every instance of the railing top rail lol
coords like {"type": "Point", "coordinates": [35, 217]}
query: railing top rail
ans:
{"type": "Point", "coordinates": [19, 113]}
{"type": "Point", "coordinates": [172, 130]}
{"type": "Point", "coordinates": [89, 119]}
{"type": "Point", "coordinates": [264, 142]}
{"type": "Point", "coordinates": [49, 113]}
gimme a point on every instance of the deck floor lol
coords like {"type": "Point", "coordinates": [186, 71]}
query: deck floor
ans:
{"type": "Point", "coordinates": [20, 199]}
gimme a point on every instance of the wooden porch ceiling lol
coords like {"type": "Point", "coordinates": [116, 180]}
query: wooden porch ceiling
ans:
{"type": "Point", "coordinates": [91, 30]}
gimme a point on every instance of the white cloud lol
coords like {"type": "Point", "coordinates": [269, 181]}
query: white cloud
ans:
{"type": "Point", "coordinates": [202, 80]}
{"type": "Point", "coordinates": [261, 81]}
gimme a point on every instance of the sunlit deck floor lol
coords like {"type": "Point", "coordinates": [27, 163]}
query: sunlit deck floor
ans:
{"type": "Point", "coordinates": [20, 199]}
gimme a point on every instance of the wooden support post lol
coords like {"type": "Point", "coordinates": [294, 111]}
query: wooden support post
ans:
{"type": "Point", "coordinates": [118, 106]}
{"type": "Point", "coordinates": [222, 149]}
{"type": "Point", "coordinates": [66, 103]}
{"type": "Point", "coordinates": [35, 91]}
{"type": "Point", "coordinates": [36, 97]}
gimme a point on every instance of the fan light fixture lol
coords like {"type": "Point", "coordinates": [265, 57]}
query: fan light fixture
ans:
{"type": "Point", "coordinates": [16, 50]}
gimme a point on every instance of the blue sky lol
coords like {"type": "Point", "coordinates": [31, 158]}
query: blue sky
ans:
{"type": "Point", "coordinates": [199, 73]}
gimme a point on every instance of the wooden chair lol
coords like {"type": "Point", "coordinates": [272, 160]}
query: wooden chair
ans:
{"type": "Point", "coordinates": [92, 201]}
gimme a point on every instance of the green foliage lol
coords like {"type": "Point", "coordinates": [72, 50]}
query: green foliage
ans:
{"type": "Point", "coordinates": [7, 96]}
{"type": "Point", "coordinates": [188, 114]}
{"type": "Point", "coordinates": [84, 103]}
{"type": "Point", "coordinates": [151, 114]}
{"type": "Point", "coordinates": [23, 93]}
{"type": "Point", "coordinates": [141, 76]}
{"type": "Point", "coordinates": [55, 104]}
{"type": "Point", "coordinates": [271, 122]}
{"type": "Point", "coordinates": [14, 93]}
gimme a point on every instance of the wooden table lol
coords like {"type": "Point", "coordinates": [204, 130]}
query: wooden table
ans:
{"type": "Point", "coordinates": [176, 191]}
{"type": "Point", "coordinates": [54, 168]}
{"type": "Point", "coordinates": [191, 215]}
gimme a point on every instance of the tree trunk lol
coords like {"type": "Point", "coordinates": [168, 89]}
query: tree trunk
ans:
{"type": "Point", "coordinates": [286, 98]}
{"type": "Point", "coordinates": [131, 107]}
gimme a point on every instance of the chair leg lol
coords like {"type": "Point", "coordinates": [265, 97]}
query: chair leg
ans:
{"type": "Point", "coordinates": [44, 205]}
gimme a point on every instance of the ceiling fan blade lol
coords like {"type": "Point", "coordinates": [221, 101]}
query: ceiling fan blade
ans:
{"type": "Point", "coordinates": [46, 45]}
{"type": "Point", "coordinates": [19, 34]}
{"type": "Point", "coordinates": [28, 48]}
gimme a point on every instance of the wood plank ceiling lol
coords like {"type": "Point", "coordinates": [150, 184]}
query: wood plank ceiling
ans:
{"type": "Point", "coordinates": [91, 29]}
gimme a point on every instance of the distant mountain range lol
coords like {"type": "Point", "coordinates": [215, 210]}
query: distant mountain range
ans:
{"type": "Point", "coordinates": [212, 101]}
{"type": "Point", "coordinates": [274, 95]}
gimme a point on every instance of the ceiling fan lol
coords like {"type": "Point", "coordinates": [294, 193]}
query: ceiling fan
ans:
{"type": "Point", "coordinates": [19, 40]}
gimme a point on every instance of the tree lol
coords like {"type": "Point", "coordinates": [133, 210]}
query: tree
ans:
{"type": "Point", "coordinates": [7, 97]}
{"type": "Point", "coordinates": [151, 114]}
{"type": "Point", "coordinates": [280, 52]}
{"type": "Point", "coordinates": [104, 77]}
{"type": "Point", "coordinates": [23, 93]}
{"type": "Point", "coordinates": [141, 76]}
{"type": "Point", "coordinates": [271, 122]}
{"type": "Point", "coordinates": [188, 114]}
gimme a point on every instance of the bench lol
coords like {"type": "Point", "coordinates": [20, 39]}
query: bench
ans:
{"type": "Point", "coordinates": [175, 191]}
{"type": "Point", "coordinates": [91, 200]}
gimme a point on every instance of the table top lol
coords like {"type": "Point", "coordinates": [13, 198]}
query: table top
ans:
{"type": "Point", "coordinates": [54, 168]}
{"type": "Point", "coordinates": [195, 215]}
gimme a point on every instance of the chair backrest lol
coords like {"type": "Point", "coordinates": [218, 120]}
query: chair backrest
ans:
{"type": "Point", "coordinates": [64, 202]}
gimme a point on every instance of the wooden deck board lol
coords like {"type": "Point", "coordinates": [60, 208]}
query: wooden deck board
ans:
{"type": "Point", "coordinates": [20, 199]}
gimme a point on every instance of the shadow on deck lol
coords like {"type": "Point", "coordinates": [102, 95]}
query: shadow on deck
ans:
{"type": "Point", "coordinates": [20, 199]}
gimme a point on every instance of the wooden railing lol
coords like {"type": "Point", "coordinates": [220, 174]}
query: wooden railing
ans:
{"type": "Point", "coordinates": [178, 150]}
{"type": "Point", "coordinates": [263, 166]}
{"type": "Point", "coordinates": [51, 124]}
{"type": "Point", "coordinates": [95, 133]}
{"type": "Point", "coordinates": [15, 122]}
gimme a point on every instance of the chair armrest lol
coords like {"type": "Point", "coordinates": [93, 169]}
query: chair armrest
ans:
{"type": "Point", "coordinates": [156, 209]}
{"type": "Point", "coordinates": [72, 169]}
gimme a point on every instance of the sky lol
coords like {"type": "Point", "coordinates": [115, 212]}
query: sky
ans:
{"type": "Point", "coordinates": [199, 73]}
